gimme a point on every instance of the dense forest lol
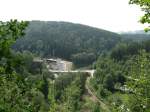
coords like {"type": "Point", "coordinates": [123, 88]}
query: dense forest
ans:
{"type": "Point", "coordinates": [121, 76]}
{"type": "Point", "coordinates": [78, 43]}
{"type": "Point", "coordinates": [136, 37]}
{"type": "Point", "coordinates": [28, 86]}
{"type": "Point", "coordinates": [121, 79]}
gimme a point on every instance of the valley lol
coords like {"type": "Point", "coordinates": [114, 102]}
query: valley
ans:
{"type": "Point", "coordinates": [67, 67]}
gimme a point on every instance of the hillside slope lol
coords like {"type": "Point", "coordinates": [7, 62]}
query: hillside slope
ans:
{"type": "Point", "coordinates": [138, 35]}
{"type": "Point", "coordinates": [66, 40]}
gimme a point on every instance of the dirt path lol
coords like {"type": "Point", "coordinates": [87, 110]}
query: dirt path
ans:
{"type": "Point", "coordinates": [94, 97]}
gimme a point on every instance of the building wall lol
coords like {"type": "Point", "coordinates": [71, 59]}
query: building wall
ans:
{"type": "Point", "coordinates": [59, 64]}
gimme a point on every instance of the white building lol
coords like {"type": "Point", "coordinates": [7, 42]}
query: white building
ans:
{"type": "Point", "coordinates": [58, 64]}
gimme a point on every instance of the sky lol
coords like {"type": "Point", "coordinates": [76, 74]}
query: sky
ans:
{"type": "Point", "coordinates": [112, 15]}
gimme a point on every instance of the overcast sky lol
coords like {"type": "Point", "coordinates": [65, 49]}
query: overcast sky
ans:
{"type": "Point", "coordinates": [113, 15]}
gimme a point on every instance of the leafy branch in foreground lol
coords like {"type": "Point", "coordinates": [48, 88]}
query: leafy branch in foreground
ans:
{"type": "Point", "coordinates": [9, 33]}
{"type": "Point", "coordinates": [145, 6]}
{"type": "Point", "coordinates": [140, 83]}
{"type": "Point", "coordinates": [17, 93]}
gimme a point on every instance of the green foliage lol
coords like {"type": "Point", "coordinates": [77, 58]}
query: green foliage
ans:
{"type": "Point", "coordinates": [83, 59]}
{"type": "Point", "coordinates": [9, 32]}
{"type": "Point", "coordinates": [109, 82]}
{"type": "Point", "coordinates": [124, 71]}
{"type": "Point", "coordinates": [123, 51]}
{"type": "Point", "coordinates": [109, 73]}
{"type": "Point", "coordinates": [135, 37]}
{"type": "Point", "coordinates": [145, 6]}
{"type": "Point", "coordinates": [19, 92]}
{"type": "Point", "coordinates": [140, 83]}
{"type": "Point", "coordinates": [82, 44]}
{"type": "Point", "coordinates": [66, 91]}
{"type": "Point", "coordinates": [11, 97]}
{"type": "Point", "coordinates": [96, 108]}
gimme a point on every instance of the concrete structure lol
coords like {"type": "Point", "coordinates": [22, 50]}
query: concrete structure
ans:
{"type": "Point", "coordinates": [38, 60]}
{"type": "Point", "coordinates": [91, 72]}
{"type": "Point", "coordinates": [58, 64]}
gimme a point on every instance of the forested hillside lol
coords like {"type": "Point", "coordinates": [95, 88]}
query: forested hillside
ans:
{"type": "Point", "coordinates": [79, 43]}
{"type": "Point", "coordinates": [122, 78]}
{"type": "Point", "coordinates": [117, 81]}
{"type": "Point", "coordinates": [27, 85]}
{"type": "Point", "coordinates": [136, 36]}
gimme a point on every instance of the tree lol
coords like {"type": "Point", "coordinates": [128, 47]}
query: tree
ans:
{"type": "Point", "coordinates": [82, 44]}
{"type": "Point", "coordinates": [17, 92]}
{"type": "Point", "coordinates": [9, 33]}
{"type": "Point", "coordinates": [140, 83]}
{"type": "Point", "coordinates": [96, 108]}
{"type": "Point", "coordinates": [109, 82]}
{"type": "Point", "coordinates": [145, 6]}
